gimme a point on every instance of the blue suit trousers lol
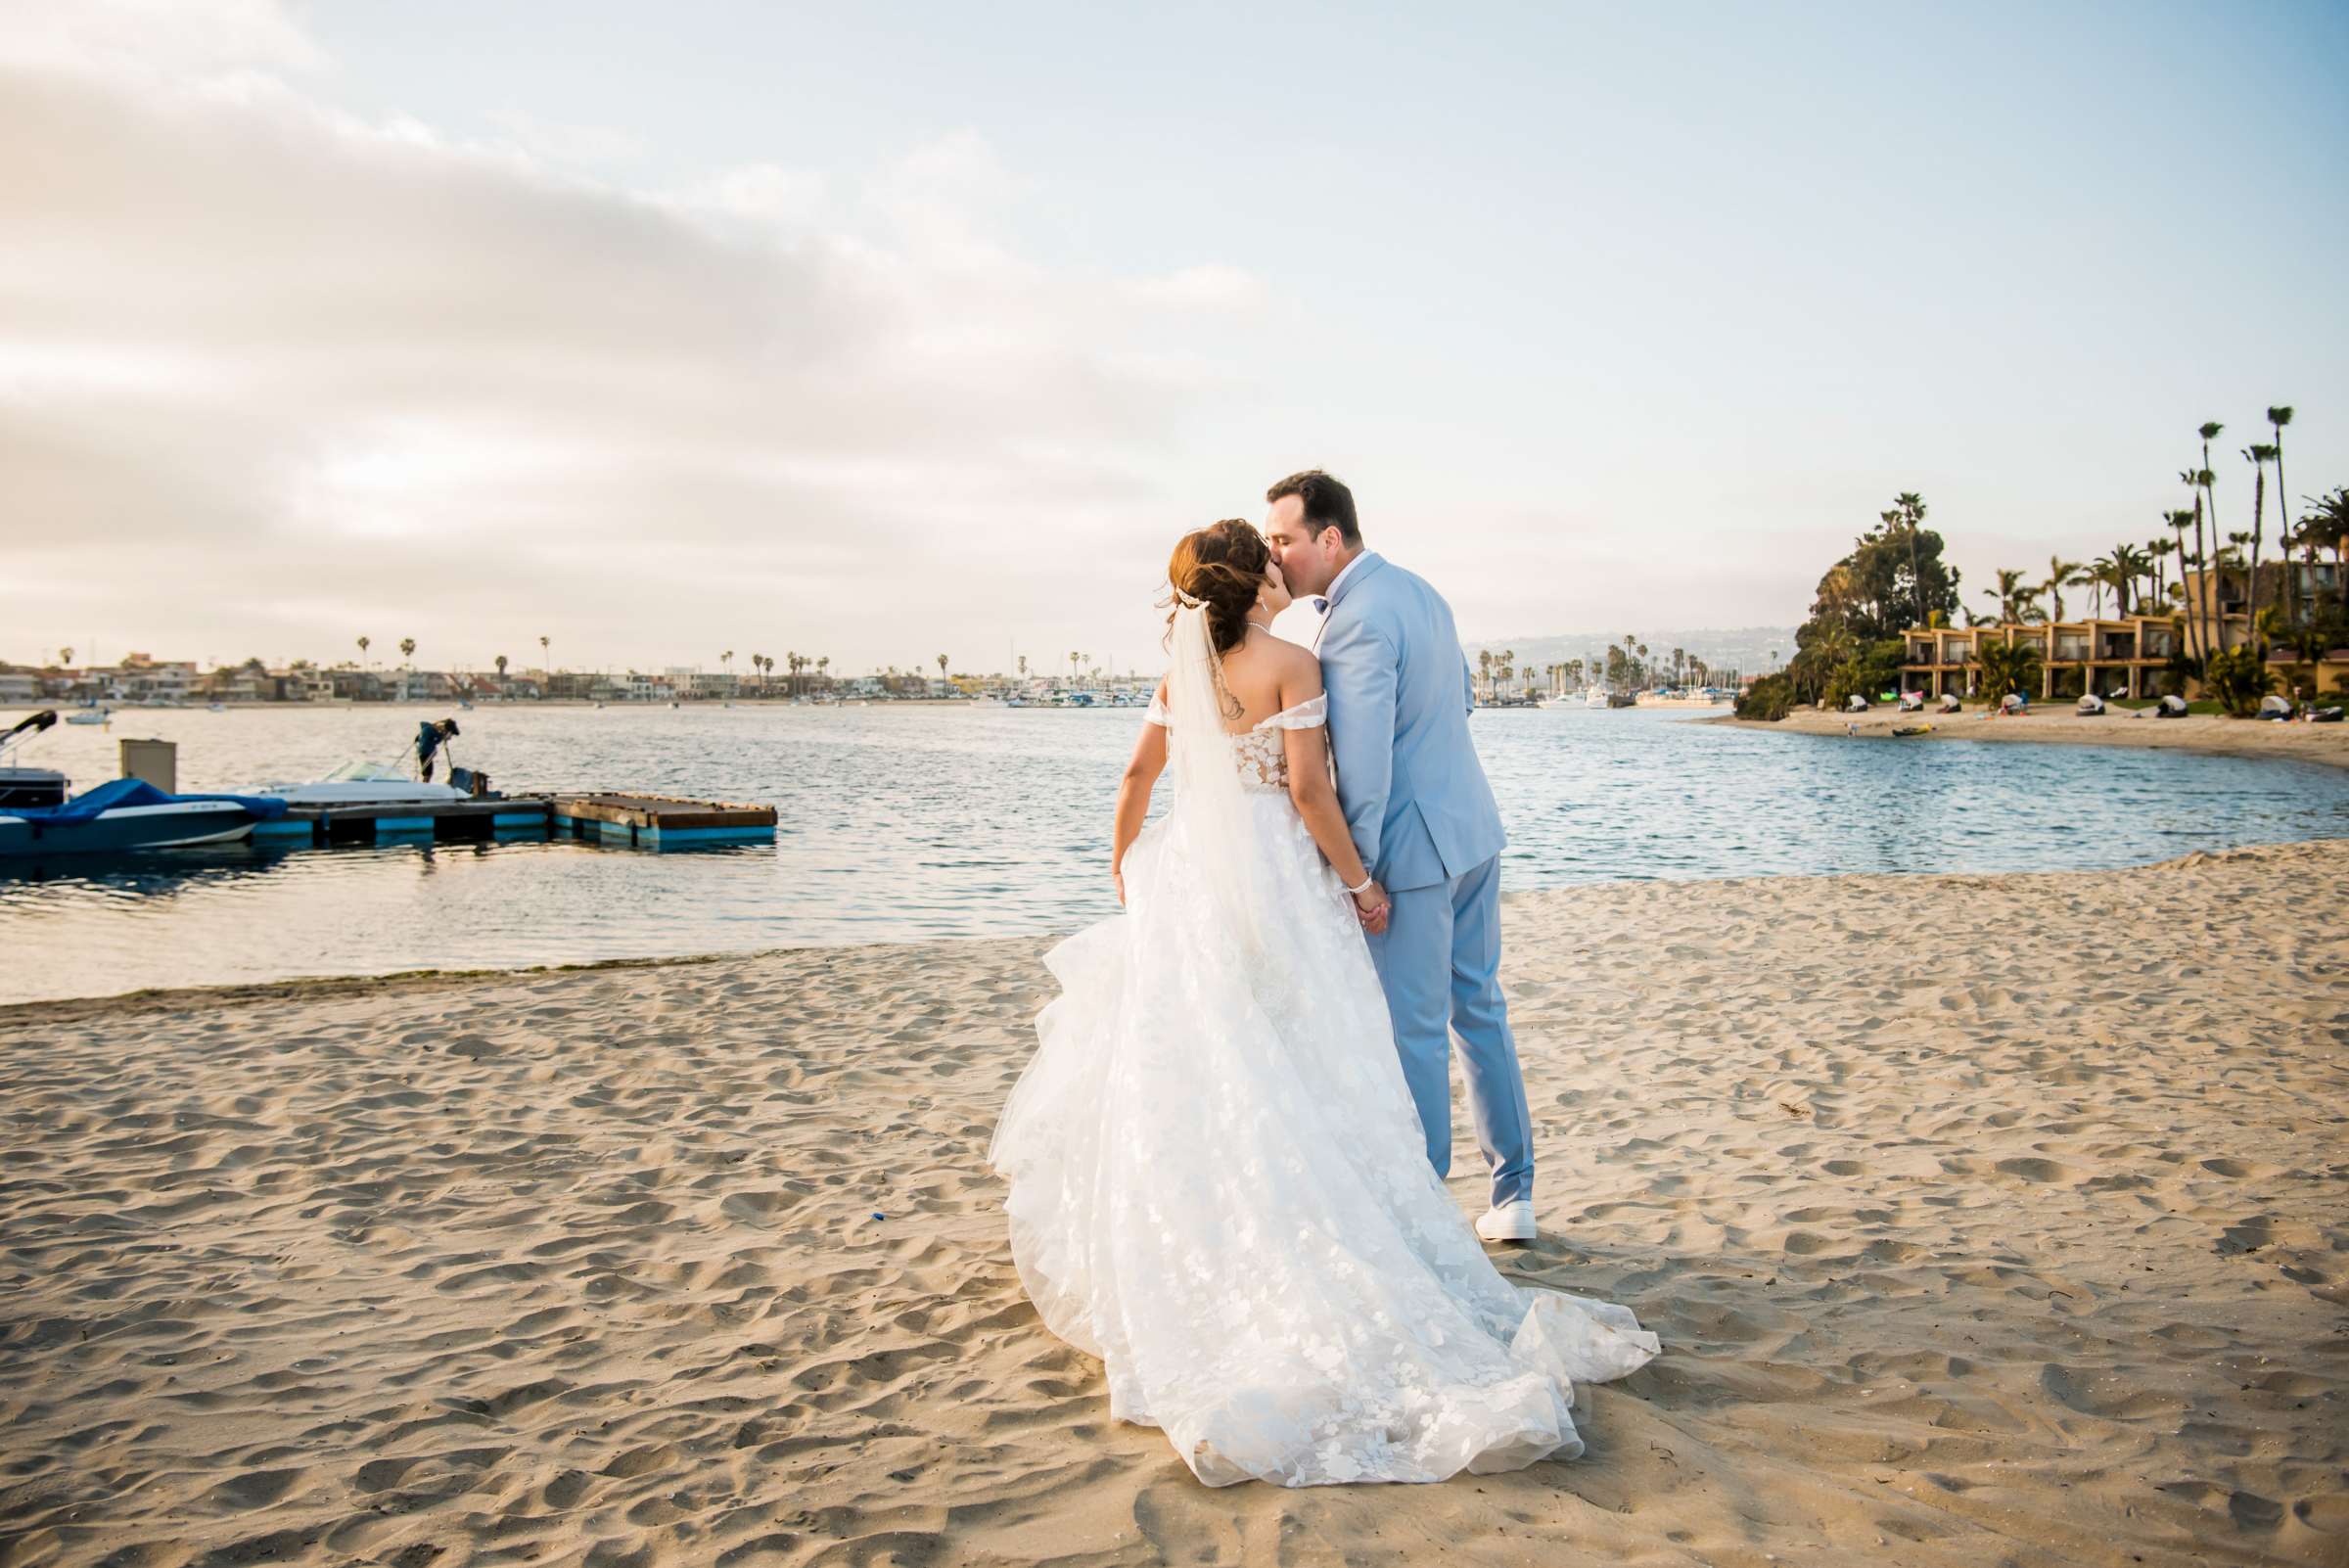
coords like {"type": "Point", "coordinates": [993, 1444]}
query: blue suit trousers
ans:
{"type": "Point", "coordinates": [1439, 961]}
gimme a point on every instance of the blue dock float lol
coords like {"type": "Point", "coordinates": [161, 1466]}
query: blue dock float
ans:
{"type": "Point", "coordinates": [452, 821]}
{"type": "Point", "coordinates": [622, 820]}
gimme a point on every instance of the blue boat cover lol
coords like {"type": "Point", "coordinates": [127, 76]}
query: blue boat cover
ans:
{"type": "Point", "coordinates": [86, 806]}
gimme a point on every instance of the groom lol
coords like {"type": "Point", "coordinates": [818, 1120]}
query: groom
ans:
{"type": "Point", "coordinates": [1423, 817]}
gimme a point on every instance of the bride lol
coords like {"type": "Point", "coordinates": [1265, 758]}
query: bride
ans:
{"type": "Point", "coordinates": [1216, 1179]}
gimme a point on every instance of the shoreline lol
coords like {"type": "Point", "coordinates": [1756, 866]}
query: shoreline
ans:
{"type": "Point", "coordinates": [2205, 733]}
{"type": "Point", "coordinates": [327, 988]}
{"type": "Point", "coordinates": [2033, 1257]}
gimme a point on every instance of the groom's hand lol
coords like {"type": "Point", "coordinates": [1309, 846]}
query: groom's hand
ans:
{"type": "Point", "coordinates": [1371, 906]}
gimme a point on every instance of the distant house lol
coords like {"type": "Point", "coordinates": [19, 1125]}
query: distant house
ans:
{"type": "Point", "coordinates": [568, 685]}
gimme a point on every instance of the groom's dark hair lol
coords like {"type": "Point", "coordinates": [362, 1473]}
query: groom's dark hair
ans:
{"type": "Point", "coordinates": [1327, 503]}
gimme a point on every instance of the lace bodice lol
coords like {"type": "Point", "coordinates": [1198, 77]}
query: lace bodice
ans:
{"type": "Point", "coordinates": [1260, 754]}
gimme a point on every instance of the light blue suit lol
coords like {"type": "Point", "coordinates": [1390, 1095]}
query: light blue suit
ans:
{"type": "Point", "coordinates": [1424, 821]}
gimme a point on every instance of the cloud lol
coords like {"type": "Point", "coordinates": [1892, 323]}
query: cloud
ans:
{"type": "Point", "coordinates": [323, 371]}
{"type": "Point", "coordinates": [576, 146]}
{"type": "Point", "coordinates": [1213, 287]}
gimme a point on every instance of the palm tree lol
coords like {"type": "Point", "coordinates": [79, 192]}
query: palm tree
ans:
{"type": "Point", "coordinates": [2279, 417]}
{"type": "Point", "coordinates": [942, 666]}
{"type": "Point", "coordinates": [1073, 659]}
{"type": "Point", "coordinates": [2209, 478]}
{"type": "Point", "coordinates": [2259, 455]}
{"type": "Point", "coordinates": [1908, 511]}
{"type": "Point", "coordinates": [542, 647]}
{"type": "Point", "coordinates": [2096, 576]}
{"type": "Point", "coordinates": [501, 668]}
{"type": "Point", "coordinates": [2304, 539]}
{"type": "Point", "coordinates": [2332, 521]}
{"type": "Point", "coordinates": [2006, 666]}
{"type": "Point", "coordinates": [363, 645]}
{"type": "Point", "coordinates": [1484, 669]}
{"type": "Point", "coordinates": [2157, 553]}
{"type": "Point", "coordinates": [2061, 574]}
{"type": "Point", "coordinates": [2128, 564]}
{"type": "Point", "coordinates": [2013, 595]}
{"type": "Point", "coordinates": [64, 656]}
{"type": "Point", "coordinates": [2203, 598]}
{"type": "Point", "coordinates": [1023, 666]}
{"type": "Point", "coordinates": [407, 648]}
{"type": "Point", "coordinates": [821, 665]}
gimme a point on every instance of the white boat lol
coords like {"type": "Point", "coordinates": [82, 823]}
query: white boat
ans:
{"type": "Point", "coordinates": [90, 715]}
{"type": "Point", "coordinates": [1594, 696]}
{"type": "Point", "coordinates": [361, 784]}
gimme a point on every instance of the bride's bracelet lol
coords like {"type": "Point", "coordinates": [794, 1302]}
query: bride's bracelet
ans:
{"type": "Point", "coordinates": [1368, 879]}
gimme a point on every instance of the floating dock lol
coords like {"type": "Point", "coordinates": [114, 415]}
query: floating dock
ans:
{"type": "Point", "coordinates": [635, 822]}
{"type": "Point", "coordinates": [660, 821]}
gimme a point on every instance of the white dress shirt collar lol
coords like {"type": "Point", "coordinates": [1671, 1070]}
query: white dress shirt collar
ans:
{"type": "Point", "coordinates": [1331, 593]}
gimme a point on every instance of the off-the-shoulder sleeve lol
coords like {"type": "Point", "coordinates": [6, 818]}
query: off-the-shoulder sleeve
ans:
{"type": "Point", "coordinates": [1157, 714]}
{"type": "Point", "coordinates": [1311, 714]}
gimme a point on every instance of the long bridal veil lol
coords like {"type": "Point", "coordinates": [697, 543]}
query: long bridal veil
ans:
{"type": "Point", "coordinates": [1207, 782]}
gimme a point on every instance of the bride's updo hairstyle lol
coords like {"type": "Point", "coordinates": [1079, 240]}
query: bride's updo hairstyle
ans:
{"type": "Point", "coordinates": [1222, 565]}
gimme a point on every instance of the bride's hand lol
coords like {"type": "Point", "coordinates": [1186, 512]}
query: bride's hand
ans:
{"type": "Point", "coordinates": [1371, 906]}
{"type": "Point", "coordinates": [1117, 875]}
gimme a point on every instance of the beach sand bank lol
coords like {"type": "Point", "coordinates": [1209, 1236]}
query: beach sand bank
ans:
{"type": "Point", "coordinates": [1985, 1219]}
{"type": "Point", "coordinates": [2197, 733]}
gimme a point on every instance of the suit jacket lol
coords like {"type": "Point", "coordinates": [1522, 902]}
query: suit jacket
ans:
{"type": "Point", "coordinates": [1399, 695]}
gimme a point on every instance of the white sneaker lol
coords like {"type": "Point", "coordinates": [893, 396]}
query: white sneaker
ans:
{"type": "Point", "coordinates": [1508, 1222]}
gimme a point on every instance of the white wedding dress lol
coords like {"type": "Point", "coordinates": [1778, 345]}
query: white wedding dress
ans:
{"type": "Point", "coordinates": [1218, 1183]}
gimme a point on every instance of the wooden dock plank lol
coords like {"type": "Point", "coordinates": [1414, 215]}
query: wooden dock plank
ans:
{"type": "Point", "coordinates": [663, 813]}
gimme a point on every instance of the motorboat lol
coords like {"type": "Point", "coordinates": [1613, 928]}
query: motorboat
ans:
{"type": "Point", "coordinates": [362, 784]}
{"type": "Point", "coordinates": [128, 814]}
{"type": "Point", "coordinates": [90, 715]}
{"type": "Point", "coordinates": [28, 786]}
{"type": "Point", "coordinates": [390, 784]}
{"type": "Point", "coordinates": [1594, 696]}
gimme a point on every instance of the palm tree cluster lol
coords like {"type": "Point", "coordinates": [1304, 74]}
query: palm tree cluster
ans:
{"type": "Point", "coordinates": [2138, 576]}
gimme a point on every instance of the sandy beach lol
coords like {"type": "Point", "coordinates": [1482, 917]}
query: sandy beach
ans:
{"type": "Point", "coordinates": [1985, 1219]}
{"type": "Point", "coordinates": [2058, 723]}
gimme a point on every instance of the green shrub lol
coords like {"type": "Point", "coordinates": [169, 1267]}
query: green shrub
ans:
{"type": "Point", "coordinates": [1771, 698]}
{"type": "Point", "coordinates": [2006, 669]}
{"type": "Point", "coordinates": [2239, 677]}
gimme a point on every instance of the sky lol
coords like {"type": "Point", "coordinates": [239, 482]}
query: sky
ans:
{"type": "Point", "coordinates": [888, 330]}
